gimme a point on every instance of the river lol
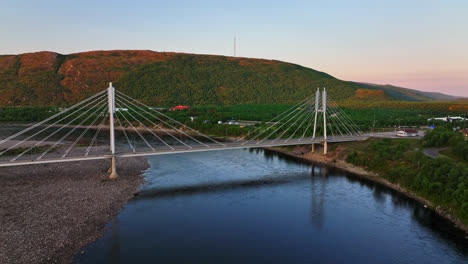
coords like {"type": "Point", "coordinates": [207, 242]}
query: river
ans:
{"type": "Point", "coordinates": [255, 206]}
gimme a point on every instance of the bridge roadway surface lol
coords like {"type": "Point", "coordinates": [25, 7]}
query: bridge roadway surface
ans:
{"type": "Point", "coordinates": [56, 157]}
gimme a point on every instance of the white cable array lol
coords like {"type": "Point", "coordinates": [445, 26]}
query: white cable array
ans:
{"type": "Point", "coordinates": [334, 116]}
{"type": "Point", "coordinates": [274, 124]}
{"type": "Point", "coordinates": [49, 118]}
{"type": "Point", "coordinates": [53, 133]}
{"type": "Point", "coordinates": [28, 138]}
{"type": "Point", "coordinates": [290, 119]}
{"type": "Point", "coordinates": [136, 130]}
{"type": "Point", "coordinates": [151, 131]}
{"type": "Point", "coordinates": [329, 123]}
{"type": "Point", "coordinates": [84, 132]}
{"type": "Point", "coordinates": [339, 121]}
{"type": "Point", "coordinates": [125, 133]}
{"type": "Point", "coordinates": [346, 117]}
{"type": "Point", "coordinates": [310, 123]}
{"type": "Point", "coordinates": [96, 135]}
{"type": "Point", "coordinates": [136, 114]}
{"type": "Point", "coordinates": [294, 108]}
{"type": "Point", "coordinates": [295, 122]}
{"type": "Point", "coordinates": [168, 117]}
{"type": "Point", "coordinates": [178, 130]}
{"type": "Point", "coordinates": [303, 122]}
{"type": "Point", "coordinates": [69, 132]}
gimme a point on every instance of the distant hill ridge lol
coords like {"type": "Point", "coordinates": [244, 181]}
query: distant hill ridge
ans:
{"type": "Point", "coordinates": [168, 78]}
{"type": "Point", "coordinates": [406, 94]}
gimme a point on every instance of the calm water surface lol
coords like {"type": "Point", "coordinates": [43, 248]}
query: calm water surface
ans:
{"type": "Point", "coordinates": [252, 206]}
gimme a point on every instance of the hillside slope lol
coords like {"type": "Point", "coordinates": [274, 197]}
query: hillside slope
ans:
{"type": "Point", "coordinates": [406, 94]}
{"type": "Point", "coordinates": [47, 78]}
{"type": "Point", "coordinates": [162, 78]}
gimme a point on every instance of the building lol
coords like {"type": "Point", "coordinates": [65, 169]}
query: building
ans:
{"type": "Point", "coordinates": [407, 133]}
{"type": "Point", "coordinates": [158, 108]}
{"type": "Point", "coordinates": [447, 119]}
{"type": "Point", "coordinates": [465, 132]}
{"type": "Point", "coordinates": [179, 107]}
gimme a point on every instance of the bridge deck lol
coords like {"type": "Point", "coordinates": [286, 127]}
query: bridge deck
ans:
{"type": "Point", "coordinates": [32, 159]}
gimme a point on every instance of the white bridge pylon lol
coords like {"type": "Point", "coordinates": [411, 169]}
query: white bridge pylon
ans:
{"type": "Point", "coordinates": [112, 124]}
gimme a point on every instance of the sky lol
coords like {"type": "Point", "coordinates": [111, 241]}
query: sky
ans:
{"type": "Point", "coordinates": [420, 44]}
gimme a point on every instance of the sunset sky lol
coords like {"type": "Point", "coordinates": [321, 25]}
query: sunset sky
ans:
{"type": "Point", "coordinates": [415, 44]}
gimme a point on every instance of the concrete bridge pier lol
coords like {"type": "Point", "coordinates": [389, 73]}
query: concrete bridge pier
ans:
{"type": "Point", "coordinates": [325, 148]}
{"type": "Point", "coordinates": [113, 169]}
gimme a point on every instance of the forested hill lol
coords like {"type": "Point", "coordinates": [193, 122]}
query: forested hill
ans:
{"type": "Point", "coordinates": [162, 79]}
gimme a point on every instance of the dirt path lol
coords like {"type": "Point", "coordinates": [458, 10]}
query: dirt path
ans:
{"type": "Point", "coordinates": [49, 211]}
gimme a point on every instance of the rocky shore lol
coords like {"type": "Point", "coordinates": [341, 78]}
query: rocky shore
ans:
{"type": "Point", "coordinates": [303, 153]}
{"type": "Point", "coordinates": [49, 211]}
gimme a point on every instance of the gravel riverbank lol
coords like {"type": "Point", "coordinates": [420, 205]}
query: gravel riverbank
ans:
{"type": "Point", "coordinates": [49, 211]}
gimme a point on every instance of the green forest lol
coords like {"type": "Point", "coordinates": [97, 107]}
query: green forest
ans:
{"type": "Point", "coordinates": [442, 180]}
{"type": "Point", "coordinates": [206, 117]}
{"type": "Point", "coordinates": [199, 80]}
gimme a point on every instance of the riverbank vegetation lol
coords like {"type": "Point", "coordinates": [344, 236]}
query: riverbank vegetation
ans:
{"type": "Point", "coordinates": [444, 136]}
{"type": "Point", "coordinates": [442, 180]}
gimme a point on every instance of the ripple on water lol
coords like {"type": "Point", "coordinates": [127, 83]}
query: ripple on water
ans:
{"type": "Point", "coordinates": [240, 206]}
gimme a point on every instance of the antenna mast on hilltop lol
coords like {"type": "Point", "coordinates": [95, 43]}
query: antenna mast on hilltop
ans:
{"type": "Point", "coordinates": [234, 46]}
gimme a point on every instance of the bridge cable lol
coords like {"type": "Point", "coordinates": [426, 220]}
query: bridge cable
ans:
{"type": "Point", "coordinates": [49, 118]}
{"type": "Point", "coordinates": [306, 117]}
{"type": "Point", "coordinates": [162, 128]}
{"type": "Point", "coordinates": [272, 120]}
{"type": "Point", "coordinates": [171, 120]}
{"type": "Point", "coordinates": [141, 123]}
{"type": "Point", "coordinates": [310, 123]}
{"type": "Point", "coordinates": [96, 134]}
{"type": "Point", "coordinates": [265, 130]}
{"type": "Point", "coordinates": [351, 130]}
{"type": "Point", "coordinates": [305, 113]}
{"type": "Point", "coordinates": [124, 132]}
{"type": "Point", "coordinates": [337, 114]}
{"type": "Point", "coordinates": [54, 132]}
{"type": "Point", "coordinates": [311, 113]}
{"type": "Point", "coordinates": [356, 127]}
{"type": "Point", "coordinates": [136, 130]}
{"type": "Point", "coordinates": [167, 123]}
{"type": "Point", "coordinates": [71, 131]}
{"type": "Point", "coordinates": [345, 121]}
{"type": "Point", "coordinates": [329, 123]}
{"type": "Point", "coordinates": [298, 113]}
{"type": "Point", "coordinates": [337, 120]}
{"type": "Point", "coordinates": [341, 122]}
{"type": "Point", "coordinates": [83, 133]}
{"type": "Point", "coordinates": [18, 143]}
{"type": "Point", "coordinates": [268, 127]}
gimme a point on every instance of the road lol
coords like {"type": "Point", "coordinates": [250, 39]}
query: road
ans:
{"type": "Point", "coordinates": [392, 134]}
{"type": "Point", "coordinates": [433, 152]}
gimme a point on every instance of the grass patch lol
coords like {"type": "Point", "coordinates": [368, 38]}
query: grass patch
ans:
{"type": "Point", "coordinates": [449, 153]}
{"type": "Point", "coordinates": [34, 150]}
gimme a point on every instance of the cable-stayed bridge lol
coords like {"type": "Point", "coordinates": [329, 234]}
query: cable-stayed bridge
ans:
{"type": "Point", "coordinates": [112, 124]}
